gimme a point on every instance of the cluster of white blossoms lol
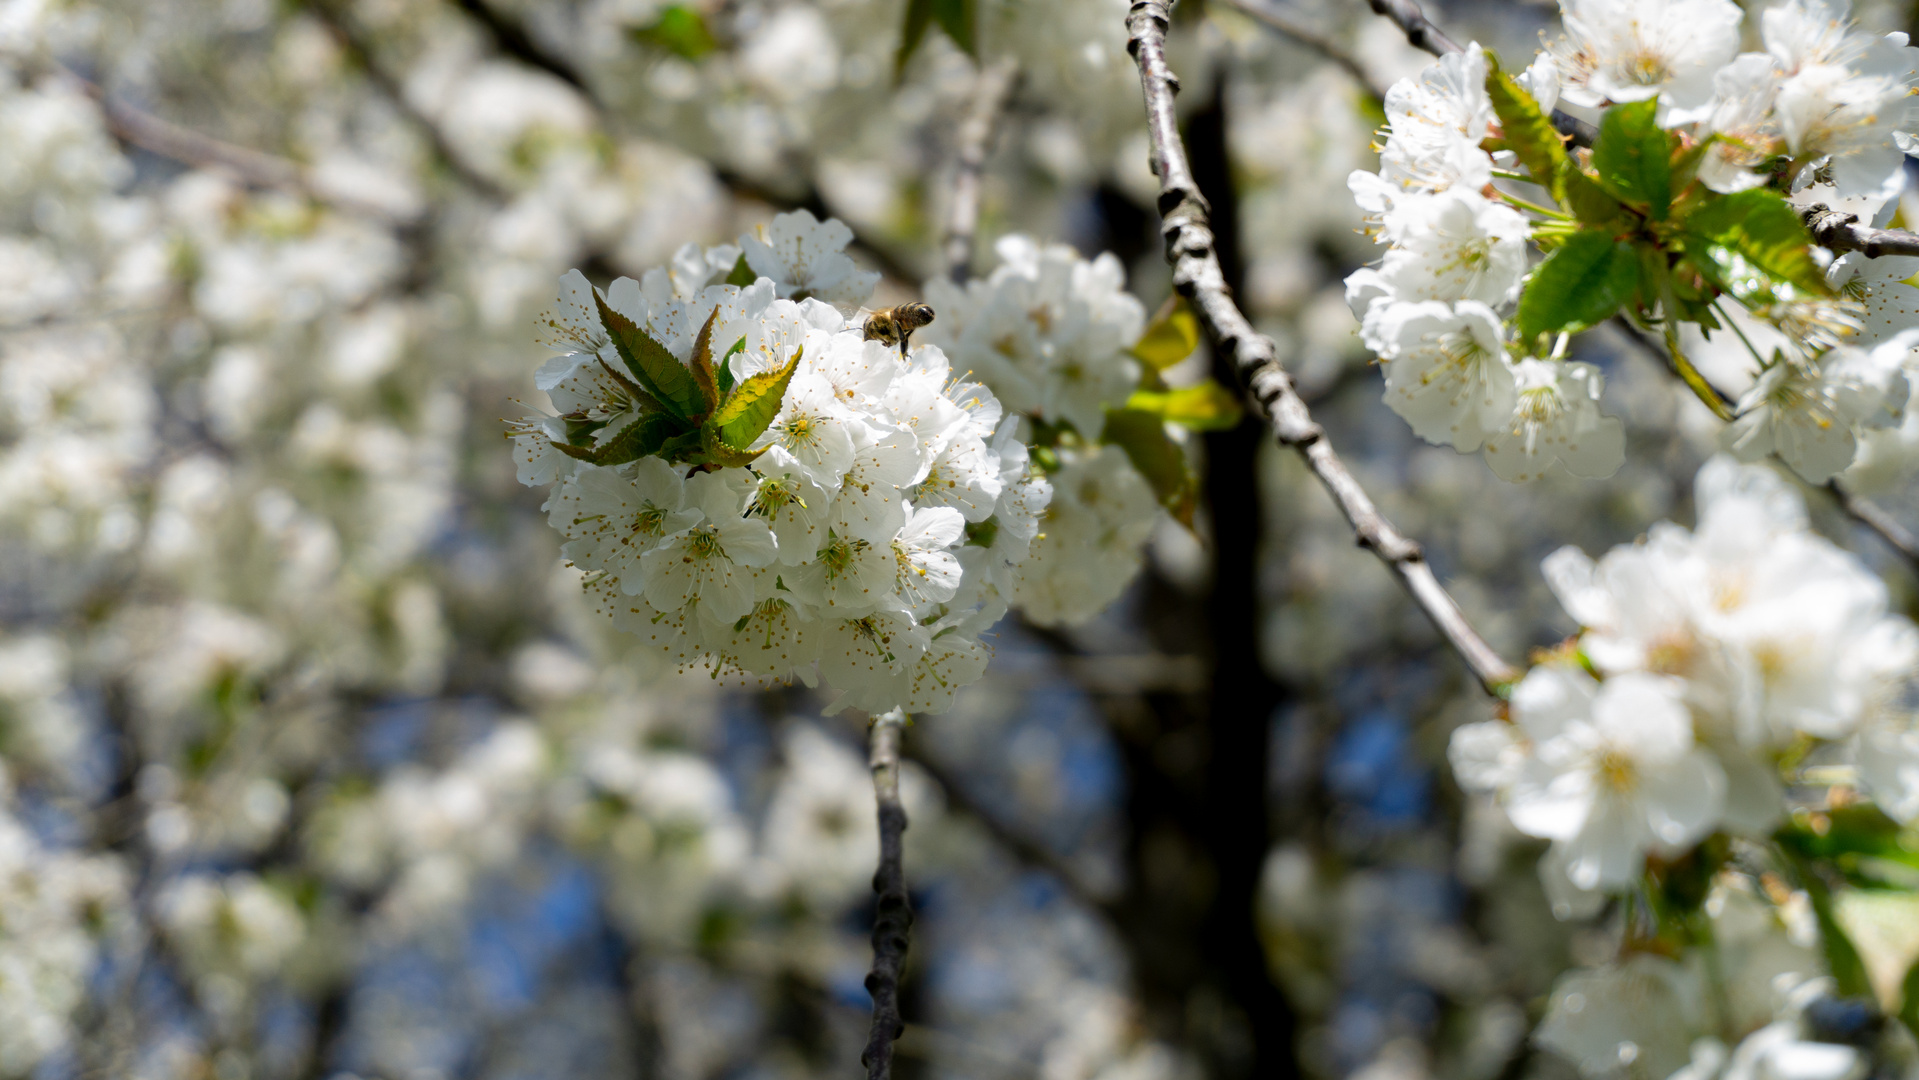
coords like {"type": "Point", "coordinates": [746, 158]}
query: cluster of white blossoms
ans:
{"type": "Point", "coordinates": [842, 512]}
{"type": "Point", "coordinates": [1703, 658]}
{"type": "Point", "coordinates": [1823, 114]}
{"type": "Point", "coordinates": [1050, 332]}
{"type": "Point", "coordinates": [1431, 310]}
{"type": "Point", "coordinates": [1833, 102]}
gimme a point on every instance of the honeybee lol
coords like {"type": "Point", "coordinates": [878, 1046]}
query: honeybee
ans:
{"type": "Point", "coordinates": [895, 325]}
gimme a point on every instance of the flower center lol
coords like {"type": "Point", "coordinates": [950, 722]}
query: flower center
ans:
{"type": "Point", "coordinates": [1617, 771]}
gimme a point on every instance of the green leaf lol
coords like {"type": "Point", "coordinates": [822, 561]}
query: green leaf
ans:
{"type": "Point", "coordinates": [657, 369]}
{"type": "Point", "coordinates": [702, 365]}
{"type": "Point", "coordinates": [1528, 132]}
{"type": "Point", "coordinates": [679, 30]}
{"type": "Point", "coordinates": [713, 445]}
{"type": "Point", "coordinates": [634, 441]}
{"type": "Point", "coordinates": [752, 407]}
{"type": "Point", "coordinates": [1634, 157]}
{"type": "Point", "coordinates": [1765, 231]}
{"type": "Point", "coordinates": [1909, 999]}
{"type": "Point", "coordinates": [953, 16]}
{"type": "Point", "coordinates": [1586, 199]}
{"type": "Point", "coordinates": [1205, 407]}
{"type": "Point", "coordinates": [741, 275]}
{"type": "Point", "coordinates": [1172, 337]}
{"type": "Point", "coordinates": [1142, 435]}
{"type": "Point", "coordinates": [1582, 284]}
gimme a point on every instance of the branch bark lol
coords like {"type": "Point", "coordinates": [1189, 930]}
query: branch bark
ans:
{"type": "Point", "coordinates": [990, 94]}
{"type": "Point", "coordinates": [1861, 510]}
{"type": "Point", "coordinates": [1274, 17]}
{"type": "Point", "coordinates": [1188, 234]}
{"type": "Point", "coordinates": [254, 168]}
{"type": "Point", "coordinates": [1874, 517]}
{"type": "Point", "coordinates": [1842, 232]}
{"type": "Point", "coordinates": [893, 915]}
{"type": "Point", "coordinates": [1422, 34]}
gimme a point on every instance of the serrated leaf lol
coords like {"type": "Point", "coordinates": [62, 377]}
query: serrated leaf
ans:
{"type": "Point", "coordinates": [1586, 199]}
{"type": "Point", "coordinates": [633, 442]}
{"type": "Point", "coordinates": [679, 30]}
{"type": "Point", "coordinates": [1634, 157]}
{"type": "Point", "coordinates": [713, 445]}
{"type": "Point", "coordinates": [702, 364]}
{"type": "Point", "coordinates": [953, 16]}
{"type": "Point", "coordinates": [1205, 407]}
{"type": "Point", "coordinates": [1765, 231]}
{"type": "Point", "coordinates": [753, 405]}
{"type": "Point", "coordinates": [645, 401]}
{"type": "Point", "coordinates": [1172, 337]}
{"type": "Point", "coordinates": [1528, 132]}
{"type": "Point", "coordinates": [1142, 436]}
{"type": "Point", "coordinates": [655, 367]}
{"type": "Point", "coordinates": [682, 447]}
{"type": "Point", "coordinates": [1582, 284]}
{"type": "Point", "coordinates": [741, 275]}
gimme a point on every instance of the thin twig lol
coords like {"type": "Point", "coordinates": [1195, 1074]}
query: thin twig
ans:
{"type": "Point", "coordinates": [1422, 34]}
{"type": "Point", "coordinates": [990, 93]}
{"type": "Point", "coordinates": [354, 40]}
{"type": "Point", "coordinates": [1197, 275]}
{"type": "Point", "coordinates": [1023, 847]}
{"type": "Point", "coordinates": [1874, 517]}
{"type": "Point", "coordinates": [1276, 17]}
{"type": "Point", "coordinates": [510, 38]}
{"type": "Point", "coordinates": [254, 168]}
{"type": "Point", "coordinates": [1860, 509]}
{"type": "Point", "coordinates": [1842, 232]}
{"type": "Point", "coordinates": [893, 911]}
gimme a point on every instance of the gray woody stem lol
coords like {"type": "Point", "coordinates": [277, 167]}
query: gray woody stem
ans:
{"type": "Point", "coordinates": [1832, 229]}
{"type": "Point", "coordinates": [1842, 232]}
{"type": "Point", "coordinates": [1422, 34]}
{"type": "Point", "coordinates": [1862, 510]}
{"type": "Point", "coordinates": [893, 916]}
{"type": "Point", "coordinates": [1275, 17]}
{"type": "Point", "coordinates": [1197, 277]}
{"type": "Point", "coordinates": [990, 94]}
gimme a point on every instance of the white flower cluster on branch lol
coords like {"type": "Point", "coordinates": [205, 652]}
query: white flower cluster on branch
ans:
{"type": "Point", "coordinates": [1706, 659]}
{"type": "Point", "coordinates": [749, 482]}
{"type": "Point", "coordinates": [1676, 216]}
{"type": "Point", "coordinates": [1431, 310]}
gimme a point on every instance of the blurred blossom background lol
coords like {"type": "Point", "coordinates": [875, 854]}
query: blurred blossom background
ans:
{"type": "Point", "coordinates": [317, 762]}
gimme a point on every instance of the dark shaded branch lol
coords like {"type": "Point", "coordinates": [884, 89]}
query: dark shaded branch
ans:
{"type": "Point", "coordinates": [893, 910]}
{"type": "Point", "coordinates": [135, 127]}
{"type": "Point", "coordinates": [1022, 847]}
{"type": "Point", "coordinates": [1422, 34]}
{"type": "Point", "coordinates": [1197, 276]}
{"type": "Point", "coordinates": [1874, 517]}
{"type": "Point", "coordinates": [1275, 17]}
{"type": "Point", "coordinates": [358, 46]}
{"type": "Point", "coordinates": [511, 38]}
{"type": "Point", "coordinates": [1722, 403]}
{"type": "Point", "coordinates": [1862, 510]}
{"type": "Point", "coordinates": [1842, 232]}
{"type": "Point", "coordinates": [990, 93]}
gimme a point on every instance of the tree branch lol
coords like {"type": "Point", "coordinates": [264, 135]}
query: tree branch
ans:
{"type": "Point", "coordinates": [510, 38]}
{"type": "Point", "coordinates": [1861, 510]}
{"type": "Point", "coordinates": [1197, 276]}
{"type": "Point", "coordinates": [1874, 517]}
{"type": "Point", "coordinates": [1024, 848]}
{"type": "Point", "coordinates": [358, 46]}
{"type": "Point", "coordinates": [1842, 232]}
{"type": "Point", "coordinates": [990, 94]}
{"type": "Point", "coordinates": [135, 127]}
{"type": "Point", "coordinates": [1276, 18]}
{"type": "Point", "coordinates": [893, 911]}
{"type": "Point", "coordinates": [1422, 34]}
